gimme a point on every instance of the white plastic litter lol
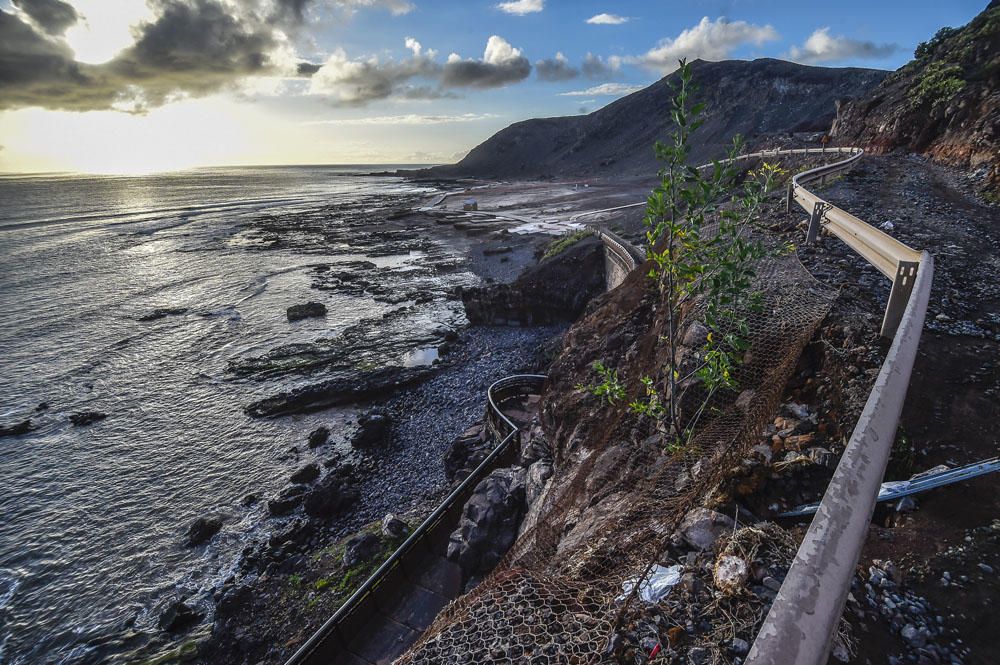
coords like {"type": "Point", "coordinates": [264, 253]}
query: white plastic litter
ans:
{"type": "Point", "coordinates": [661, 580]}
{"type": "Point", "coordinates": [886, 226]}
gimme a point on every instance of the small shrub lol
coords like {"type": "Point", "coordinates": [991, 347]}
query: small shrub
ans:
{"type": "Point", "coordinates": [938, 83]}
{"type": "Point", "coordinates": [926, 49]}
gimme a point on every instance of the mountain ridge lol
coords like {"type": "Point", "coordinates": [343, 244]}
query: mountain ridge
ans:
{"type": "Point", "coordinates": [752, 98]}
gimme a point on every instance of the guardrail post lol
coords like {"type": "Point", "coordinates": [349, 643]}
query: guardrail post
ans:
{"type": "Point", "coordinates": [789, 197]}
{"type": "Point", "coordinates": [902, 286]}
{"type": "Point", "coordinates": [815, 220]}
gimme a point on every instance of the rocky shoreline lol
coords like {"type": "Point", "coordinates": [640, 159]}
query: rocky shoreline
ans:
{"type": "Point", "coordinates": [328, 535]}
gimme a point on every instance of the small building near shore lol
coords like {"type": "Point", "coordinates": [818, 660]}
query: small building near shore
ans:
{"type": "Point", "coordinates": [470, 204]}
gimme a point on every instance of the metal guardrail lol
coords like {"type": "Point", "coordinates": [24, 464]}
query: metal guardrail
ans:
{"type": "Point", "coordinates": [335, 634]}
{"type": "Point", "coordinates": [801, 624]}
{"type": "Point", "coordinates": [620, 253]}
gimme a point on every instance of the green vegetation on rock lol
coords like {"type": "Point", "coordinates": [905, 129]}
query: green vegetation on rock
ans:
{"type": "Point", "coordinates": [564, 242]}
{"type": "Point", "coordinates": [938, 83]}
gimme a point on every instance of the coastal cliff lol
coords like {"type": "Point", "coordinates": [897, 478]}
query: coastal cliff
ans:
{"type": "Point", "coordinates": [945, 103]}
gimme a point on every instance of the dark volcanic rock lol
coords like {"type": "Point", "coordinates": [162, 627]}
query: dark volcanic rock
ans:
{"type": "Point", "coordinates": [751, 98]}
{"type": "Point", "coordinates": [162, 312]}
{"type": "Point", "coordinates": [540, 295]}
{"type": "Point", "coordinates": [306, 311]}
{"type": "Point", "coordinates": [344, 390]}
{"type": "Point", "coordinates": [330, 496]}
{"type": "Point", "coordinates": [319, 436]}
{"type": "Point", "coordinates": [465, 453]}
{"type": "Point", "coordinates": [16, 429]}
{"type": "Point", "coordinates": [202, 529]}
{"type": "Point", "coordinates": [489, 523]}
{"type": "Point", "coordinates": [287, 500]}
{"type": "Point", "coordinates": [86, 418]}
{"type": "Point", "coordinates": [178, 615]}
{"type": "Point", "coordinates": [361, 548]}
{"type": "Point", "coordinates": [374, 429]}
{"type": "Point", "coordinates": [306, 474]}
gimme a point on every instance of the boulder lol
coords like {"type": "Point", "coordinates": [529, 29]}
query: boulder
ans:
{"type": "Point", "coordinates": [287, 500]}
{"type": "Point", "coordinates": [489, 522]}
{"type": "Point", "coordinates": [178, 615]}
{"type": "Point", "coordinates": [16, 429]}
{"type": "Point", "coordinates": [696, 335]}
{"type": "Point", "coordinates": [330, 496]}
{"type": "Point", "coordinates": [318, 437]}
{"type": "Point", "coordinates": [465, 453]}
{"type": "Point", "coordinates": [361, 548]}
{"type": "Point", "coordinates": [202, 529]}
{"type": "Point", "coordinates": [701, 527]}
{"type": "Point", "coordinates": [393, 527]}
{"type": "Point", "coordinates": [306, 311]}
{"type": "Point", "coordinates": [306, 474]}
{"type": "Point", "coordinates": [86, 418]}
{"type": "Point", "coordinates": [374, 428]}
{"type": "Point", "coordinates": [348, 389]}
{"type": "Point", "coordinates": [535, 480]}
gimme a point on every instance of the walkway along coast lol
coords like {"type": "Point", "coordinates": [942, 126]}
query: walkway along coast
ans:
{"type": "Point", "coordinates": [372, 625]}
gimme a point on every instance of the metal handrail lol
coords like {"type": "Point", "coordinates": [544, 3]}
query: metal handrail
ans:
{"type": "Point", "coordinates": [329, 628]}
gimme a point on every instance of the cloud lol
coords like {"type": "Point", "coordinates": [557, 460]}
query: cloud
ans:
{"type": "Point", "coordinates": [522, 7]}
{"type": "Point", "coordinates": [607, 19]}
{"type": "Point", "coordinates": [409, 119]}
{"type": "Point", "coordinates": [355, 82]}
{"type": "Point", "coordinates": [596, 67]}
{"type": "Point", "coordinates": [188, 48]}
{"type": "Point", "coordinates": [52, 16]}
{"type": "Point", "coordinates": [501, 65]}
{"type": "Point", "coordinates": [711, 40]}
{"type": "Point", "coordinates": [821, 47]}
{"type": "Point", "coordinates": [556, 69]}
{"type": "Point", "coordinates": [604, 90]}
{"type": "Point", "coordinates": [396, 7]}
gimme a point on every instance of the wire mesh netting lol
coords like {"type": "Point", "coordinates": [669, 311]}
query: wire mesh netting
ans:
{"type": "Point", "coordinates": [611, 510]}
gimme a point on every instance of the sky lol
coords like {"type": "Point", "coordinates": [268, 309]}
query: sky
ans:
{"type": "Point", "coordinates": [135, 86]}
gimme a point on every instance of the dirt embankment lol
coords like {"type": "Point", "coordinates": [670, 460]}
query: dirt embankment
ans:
{"type": "Point", "coordinates": [944, 103]}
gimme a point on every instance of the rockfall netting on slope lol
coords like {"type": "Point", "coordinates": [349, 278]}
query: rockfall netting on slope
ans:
{"type": "Point", "coordinates": [618, 495]}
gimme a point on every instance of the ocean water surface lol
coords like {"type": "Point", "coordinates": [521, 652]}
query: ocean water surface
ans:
{"type": "Point", "coordinates": [92, 518]}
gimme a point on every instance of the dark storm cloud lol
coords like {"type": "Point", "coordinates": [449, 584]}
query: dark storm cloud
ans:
{"type": "Point", "coordinates": [481, 74]}
{"type": "Point", "coordinates": [53, 16]}
{"type": "Point", "coordinates": [307, 68]}
{"type": "Point", "coordinates": [556, 69]}
{"type": "Point", "coordinates": [594, 67]}
{"type": "Point", "coordinates": [192, 47]}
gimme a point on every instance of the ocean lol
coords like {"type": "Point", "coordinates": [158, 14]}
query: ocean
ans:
{"type": "Point", "coordinates": [93, 518]}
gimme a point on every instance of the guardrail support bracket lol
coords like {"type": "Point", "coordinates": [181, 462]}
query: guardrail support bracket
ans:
{"type": "Point", "coordinates": [815, 221]}
{"type": "Point", "coordinates": [902, 285]}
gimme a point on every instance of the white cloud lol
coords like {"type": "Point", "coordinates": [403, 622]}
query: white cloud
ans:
{"type": "Point", "coordinates": [397, 7]}
{"type": "Point", "coordinates": [607, 19]}
{"type": "Point", "coordinates": [409, 119]}
{"type": "Point", "coordinates": [501, 65]}
{"type": "Point", "coordinates": [522, 7]}
{"type": "Point", "coordinates": [604, 90]}
{"type": "Point", "coordinates": [347, 81]}
{"type": "Point", "coordinates": [711, 40]}
{"type": "Point", "coordinates": [821, 47]}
